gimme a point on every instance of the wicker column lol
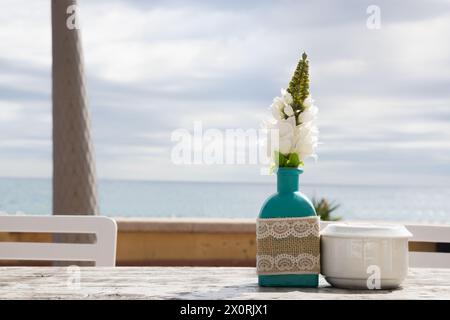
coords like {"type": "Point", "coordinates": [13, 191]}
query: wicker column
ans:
{"type": "Point", "coordinates": [74, 182]}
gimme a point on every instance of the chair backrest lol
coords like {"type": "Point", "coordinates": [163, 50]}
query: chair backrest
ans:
{"type": "Point", "coordinates": [102, 252]}
{"type": "Point", "coordinates": [436, 236]}
{"type": "Point", "coordinates": [427, 241]}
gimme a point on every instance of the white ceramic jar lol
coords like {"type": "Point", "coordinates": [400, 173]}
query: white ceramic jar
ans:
{"type": "Point", "coordinates": [364, 256]}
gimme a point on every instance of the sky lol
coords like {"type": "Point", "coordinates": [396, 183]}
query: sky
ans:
{"type": "Point", "coordinates": [156, 66]}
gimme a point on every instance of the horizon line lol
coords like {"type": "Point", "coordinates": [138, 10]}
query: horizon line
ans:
{"type": "Point", "coordinates": [375, 185]}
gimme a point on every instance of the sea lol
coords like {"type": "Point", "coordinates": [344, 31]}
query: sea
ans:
{"type": "Point", "coordinates": [233, 200]}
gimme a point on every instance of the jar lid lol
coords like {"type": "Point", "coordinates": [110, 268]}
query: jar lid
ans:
{"type": "Point", "coordinates": [342, 230]}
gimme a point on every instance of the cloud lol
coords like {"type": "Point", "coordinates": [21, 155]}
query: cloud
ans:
{"type": "Point", "coordinates": [9, 112]}
{"type": "Point", "coordinates": [155, 66]}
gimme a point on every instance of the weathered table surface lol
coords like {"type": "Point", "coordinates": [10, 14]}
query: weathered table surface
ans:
{"type": "Point", "coordinates": [193, 283]}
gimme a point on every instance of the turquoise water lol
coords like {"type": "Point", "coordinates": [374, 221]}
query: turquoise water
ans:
{"type": "Point", "coordinates": [233, 200]}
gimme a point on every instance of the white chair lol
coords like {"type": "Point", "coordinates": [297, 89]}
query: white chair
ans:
{"type": "Point", "coordinates": [433, 234]}
{"type": "Point", "coordinates": [430, 234]}
{"type": "Point", "coordinates": [102, 252]}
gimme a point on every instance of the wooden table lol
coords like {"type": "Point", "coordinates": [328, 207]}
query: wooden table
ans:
{"type": "Point", "coordinates": [192, 283]}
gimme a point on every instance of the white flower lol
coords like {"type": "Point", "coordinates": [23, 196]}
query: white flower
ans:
{"type": "Point", "coordinates": [308, 115]}
{"type": "Point", "coordinates": [285, 145]}
{"type": "Point", "coordinates": [287, 97]}
{"type": "Point", "coordinates": [276, 112]}
{"type": "Point", "coordinates": [304, 149]}
{"type": "Point", "coordinates": [279, 103]}
{"type": "Point", "coordinates": [288, 111]}
{"type": "Point", "coordinates": [277, 108]}
{"type": "Point", "coordinates": [286, 127]}
{"type": "Point", "coordinates": [286, 134]}
{"type": "Point", "coordinates": [308, 102]}
{"type": "Point", "coordinates": [281, 106]}
{"type": "Point", "coordinates": [290, 137]}
{"type": "Point", "coordinates": [306, 140]}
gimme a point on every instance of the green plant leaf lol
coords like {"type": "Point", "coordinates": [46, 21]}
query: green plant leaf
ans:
{"type": "Point", "coordinates": [280, 159]}
{"type": "Point", "coordinates": [283, 160]}
{"type": "Point", "coordinates": [293, 160]}
{"type": "Point", "coordinates": [324, 209]}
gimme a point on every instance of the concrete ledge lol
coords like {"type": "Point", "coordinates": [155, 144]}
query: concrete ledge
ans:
{"type": "Point", "coordinates": [186, 242]}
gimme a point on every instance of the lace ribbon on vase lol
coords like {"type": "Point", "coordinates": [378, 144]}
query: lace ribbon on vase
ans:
{"type": "Point", "coordinates": [288, 246]}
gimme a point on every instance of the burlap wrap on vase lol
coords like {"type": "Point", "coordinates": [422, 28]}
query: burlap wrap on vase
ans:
{"type": "Point", "coordinates": [288, 246]}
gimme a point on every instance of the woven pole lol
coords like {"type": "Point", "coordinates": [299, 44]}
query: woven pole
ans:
{"type": "Point", "coordinates": [74, 183]}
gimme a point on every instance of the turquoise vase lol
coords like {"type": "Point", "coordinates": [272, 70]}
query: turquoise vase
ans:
{"type": "Point", "coordinates": [288, 202]}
